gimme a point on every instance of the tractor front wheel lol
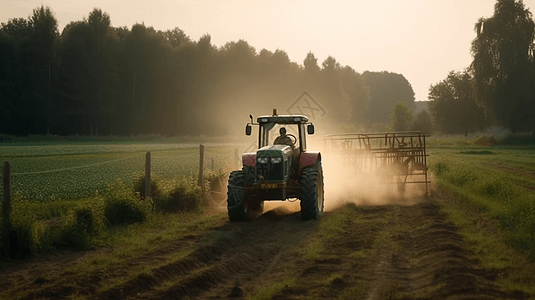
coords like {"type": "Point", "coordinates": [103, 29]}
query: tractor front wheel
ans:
{"type": "Point", "coordinates": [235, 196]}
{"type": "Point", "coordinates": [238, 208]}
{"type": "Point", "coordinates": [312, 192]}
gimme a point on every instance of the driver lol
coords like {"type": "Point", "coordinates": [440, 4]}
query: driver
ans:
{"type": "Point", "coordinates": [283, 139]}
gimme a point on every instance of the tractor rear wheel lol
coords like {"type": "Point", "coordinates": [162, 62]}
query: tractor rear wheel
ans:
{"type": "Point", "coordinates": [312, 192]}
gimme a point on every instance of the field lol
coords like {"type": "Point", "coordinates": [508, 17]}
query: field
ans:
{"type": "Point", "coordinates": [473, 238]}
{"type": "Point", "coordinates": [77, 170]}
{"type": "Point", "coordinates": [499, 181]}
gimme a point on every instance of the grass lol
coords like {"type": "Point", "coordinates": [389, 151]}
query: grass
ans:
{"type": "Point", "coordinates": [124, 245]}
{"type": "Point", "coordinates": [490, 245]}
{"type": "Point", "coordinates": [38, 227]}
{"type": "Point", "coordinates": [482, 139]}
{"type": "Point", "coordinates": [492, 191]}
{"type": "Point", "coordinates": [354, 292]}
{"type": "Point", "coordinates": [269, 290]}
{"type": "Point", "coordinates": [330, 227]}
{"type": "Point", "coordinates": [332, 277]}
{"type": "Point", "coordinates": [65, 194]}
{"type": "Point", "coordinates": [487, 191]}
{"type": "Point", "coordinates": [477, 152]}
{"type": "Point", "coordinates": [361, 254]}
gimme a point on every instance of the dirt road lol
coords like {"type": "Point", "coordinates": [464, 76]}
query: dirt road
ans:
{"type": "Point", "coordinates": [378, 252]}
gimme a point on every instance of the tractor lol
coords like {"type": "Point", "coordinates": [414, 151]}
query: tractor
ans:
{"type": "Point", "coordinates": [282, 168]}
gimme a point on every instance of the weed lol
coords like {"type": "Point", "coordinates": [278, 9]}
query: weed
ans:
{"type": "Point", "coordinates": [139, 186]}
{"type": "Point", "coordinates": [270, 290]}
{"type": "Point", "coordinates": [364, 253]}
{"type": "Point", "coordinates": [122, 207]}
{"type": "Point", "coordinates": [439, 168]}
{"type": "Point", "coordinates": [354, 292]}
{"type": "Point", "coordinates": [477, 152]}
{"type": "Point", "coordinates": [183, 196]}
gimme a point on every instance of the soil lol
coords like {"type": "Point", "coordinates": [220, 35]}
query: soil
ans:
{"type": "Point", "coordinates": [393, 252]}
{"type": "Point", "coordinates": [514, 170]}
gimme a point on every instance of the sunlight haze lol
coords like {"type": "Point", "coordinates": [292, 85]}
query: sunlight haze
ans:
{"type": "Point", "coordinates": [421, 39]}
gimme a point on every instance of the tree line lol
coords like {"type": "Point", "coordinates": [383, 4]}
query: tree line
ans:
{"type": "Point", "coordinates": [498, 88]}
{"type": "Point", "coordinates": [93, 78]}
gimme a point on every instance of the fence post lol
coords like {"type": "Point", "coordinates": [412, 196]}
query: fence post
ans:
{"type": "Point", "coordinates": [147, 176]}
{"type": "Point", "coordinates": [6, 208]}
{"type": "Point", "coordinates": [201, 169]}
{"type": "Point", "coordinates": [212, 163]}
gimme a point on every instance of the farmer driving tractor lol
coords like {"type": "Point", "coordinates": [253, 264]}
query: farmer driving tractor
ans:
{"type": "Point", "coordinates": [283, 139]}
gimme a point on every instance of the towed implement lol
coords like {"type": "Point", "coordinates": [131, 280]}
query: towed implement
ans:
{"type": "Point", "coordinates": [282, 168]}
{"type": "Point", "coordinates": [392, 157]}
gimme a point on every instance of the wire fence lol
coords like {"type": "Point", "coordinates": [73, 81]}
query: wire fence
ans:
{"type": "Point", "coordinates": [39, 177]}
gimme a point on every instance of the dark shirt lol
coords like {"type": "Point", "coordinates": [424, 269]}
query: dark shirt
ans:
{"type": "Point", "coordinates": [283, 140]}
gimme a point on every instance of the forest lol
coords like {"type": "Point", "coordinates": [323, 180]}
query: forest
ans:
{"type": "Point", "coordinates": [95, 79]}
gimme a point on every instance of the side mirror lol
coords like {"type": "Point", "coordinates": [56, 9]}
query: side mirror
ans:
{"type": "Point", "coordinates": [310, 129]}
{"type": "Point", "coordinates": [248, 129]}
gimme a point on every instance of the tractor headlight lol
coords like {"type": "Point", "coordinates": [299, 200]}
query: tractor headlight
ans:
{"type": "Point", "coordinates": [263, 160]}
{"type": "Point", "coordinates": [276, 160]}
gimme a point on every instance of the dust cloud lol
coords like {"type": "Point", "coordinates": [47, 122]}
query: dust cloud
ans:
{"type": "Point", "coordinates": [349, 178]}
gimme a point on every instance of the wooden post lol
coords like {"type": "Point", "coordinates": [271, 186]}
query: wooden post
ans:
{"type": "Point", "coordinates": [147, 176]}
{"type": "Point", "coordinates": [6, 209]}
{"type": "Point", "coordinates": [212, 163]}
{"type": "Point", "coordinates": [201, 168]}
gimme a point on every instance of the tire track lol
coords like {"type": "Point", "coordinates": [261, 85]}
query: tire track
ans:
{"type": "Point", "coordinates": [414, 253]}
{"type": "Point", "coordinates": [380, 252]}
{"type": "Point", "coordinates": [249, 250]}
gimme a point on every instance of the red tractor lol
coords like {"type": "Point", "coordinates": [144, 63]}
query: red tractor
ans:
{"type": "Point", "coordinates": [280, 169]}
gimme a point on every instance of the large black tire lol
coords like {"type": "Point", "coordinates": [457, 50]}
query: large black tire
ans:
{"type": "Point", "coordinates": [236, 206]}
{"type": "Point", "coordinates": [312, 192]}
{"type": "Point", "coordinates": [235, 196]}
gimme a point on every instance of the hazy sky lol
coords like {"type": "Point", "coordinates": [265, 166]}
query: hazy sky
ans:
{"type": "Point", "coordinates": [421, 39]}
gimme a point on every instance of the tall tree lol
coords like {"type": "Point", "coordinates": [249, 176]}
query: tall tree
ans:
{"type": "Point", "coordinates": [401, 117]}
{"type": "Point", "coordinates": [16, 86]}
{"type": "Point", "coordinates": [101, 63]}
{"type": "Point", "coordinates": [331, 82]}
{"type": "Point", "coordinates": [502, 68]}
{"type": "Point", "coordinates": [422, 122]}
{"type": "Point", "coordinates": [357, 92]}
{"type": "Point", "coordinates": [385, 90]}
{"type": "Point", "coordinates": [453, 106]}
{"type": "Point", "coordinates": [176, 37]}
{"type": "Point", "coordinates": [311, 63]}
{"type": "Point", "coordinates": [74, 82]}
{"type": "Point", "coordinates": [17, 28]}
{"type": "Point", "coordinates": [45, 37]}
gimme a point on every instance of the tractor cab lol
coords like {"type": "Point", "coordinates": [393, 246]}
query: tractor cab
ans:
{"type": "Point", "coordinates": [284, 130]}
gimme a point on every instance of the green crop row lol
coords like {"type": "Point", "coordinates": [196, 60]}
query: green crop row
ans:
{"type": "Point", "coordinates": [493, 190]}
{"type": "Point", "coordinates": [79, 174]}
